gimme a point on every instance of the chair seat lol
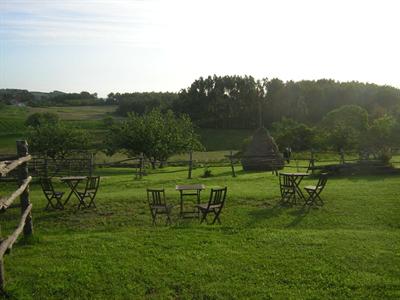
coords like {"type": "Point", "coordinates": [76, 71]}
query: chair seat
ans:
{"type": "Point", "coordinates": [287, 186]}
{"type": "Point", "coordinates": [54, 194]}
{"type": "Point", "coordinates": [162, 207]}
{"type": "Point", "coordinates": [311, 187]}
{"type": "Point", "coordinates": [205, 206]}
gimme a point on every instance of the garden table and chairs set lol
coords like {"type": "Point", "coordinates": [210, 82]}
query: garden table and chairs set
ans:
{"type": "Point", "coordinates": [158, 204]}
{"type": "Point", "coordinates": [291, 192]}
{"type": "Point", "coordinates": [86, 195]}
{"type": "Point", "coordinates": [289, 184]}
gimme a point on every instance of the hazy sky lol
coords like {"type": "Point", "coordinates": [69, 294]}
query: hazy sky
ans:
{"type": "Point", "coordinates": [164, 45]}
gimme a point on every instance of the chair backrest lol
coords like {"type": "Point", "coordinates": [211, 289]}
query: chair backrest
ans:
{"type": "Point", "coordinates": [285, 180]}
{"type": "Point", "coordinates": [156, 197]}
{"type": "Point", "coordinates": [323, 178]}
{"type": "Point", "coordinates": [217, 196]}
{"type": "Point", "coordinates": [92, 184]}
{"type": "Point", "coordinates": [47, 185]}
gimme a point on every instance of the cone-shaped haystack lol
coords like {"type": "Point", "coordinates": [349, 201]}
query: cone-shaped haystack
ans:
{"type": "Point", "coordinates": [262, 153]}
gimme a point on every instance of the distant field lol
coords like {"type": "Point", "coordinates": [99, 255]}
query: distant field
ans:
{"type": "Point", "coordinates": [12, 121]}
{"type": "Point", "coordinates": [77, 112]}
{"type": "Point", "coordinates": [89, 118]}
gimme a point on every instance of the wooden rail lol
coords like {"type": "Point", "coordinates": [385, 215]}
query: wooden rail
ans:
{"type": "Point", "coordinates": [5, 202]}
{"type": "Point", "coordinates": [8, 243]}
{"type": "Point", "coordinates": [25, 224]}
{"type": "Point", "coordinates": [8, 166]}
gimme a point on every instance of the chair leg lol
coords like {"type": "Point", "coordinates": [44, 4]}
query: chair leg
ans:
{"type": "Point", "coordinates": [92, 202]}
{"type": "Point", "coordinates": [50, 204]}
{"type": "Point", "coordinates": [169, 222]}
{"type": "Point", "coordinates": [154, 216]}
{"type": "Point", "coordinates": [59, 203]}
{"type": "Point", "coordinates": [314, 199]}
{"type": "Point", "coordinates": [203, 218]}
{"type": "Point", "coordinates": [318, 198]}
{"type": "Point", "coordinates": [216, 218]}
{"type": "Point", "coordinates": [82, 202]}
{"type": "Point", "coordinates": [308, 201]}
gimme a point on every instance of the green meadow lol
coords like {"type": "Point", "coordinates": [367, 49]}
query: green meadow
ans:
{"type": "Point", "coordinates": [349, 248]}
{"type": "Point", "coordinates": [90, 118]}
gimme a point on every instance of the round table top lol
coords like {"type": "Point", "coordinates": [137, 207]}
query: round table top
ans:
{"type": "Point", "coordinates": [295, 174]}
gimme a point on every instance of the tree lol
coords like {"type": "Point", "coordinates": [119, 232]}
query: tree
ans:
{"type": "Point", "coordinates": [382, 136]}
{"type": "Point", "coordinates": [56, 140]}
{"type": "Point", "coordinates": [343, 127]}
{"type": "Point", "coordinates": [289, 133]}
{"type": "Point", "coordinates": [38, 119]}
{"type": "Point", "coordinates": [156, 135]}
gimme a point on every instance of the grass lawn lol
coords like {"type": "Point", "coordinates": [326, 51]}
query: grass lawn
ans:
{"type": "Point", "coordinates": [350, 248]}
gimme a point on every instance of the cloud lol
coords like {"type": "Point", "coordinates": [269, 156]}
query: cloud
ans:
{"type": "Point", "coordinates": [76, 22]}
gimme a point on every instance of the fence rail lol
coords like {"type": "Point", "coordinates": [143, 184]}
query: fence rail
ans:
{"type": "Point", "coordinates": [8, 166]}
{"type": "Point", "coordinates": [25, 224]}
{"type": "Point", "coordinates": [48, 167]}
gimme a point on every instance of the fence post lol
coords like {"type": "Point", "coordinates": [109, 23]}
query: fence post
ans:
{"type": "Point", "coordinates": [91, 166]}
{"type": "Point", "coordinates": [2, 276]}
{"type": "Point", "coordinates": [141, 165]}
{"type": "Point", "coordinates": [342, 156]}
{"type": "Point", "coordinates": [232, 166]}
{"type": "Point", "coordinates": [22, 150]}
{"type": "Point", "coordinates": [190, 164]}
{"type": "Point", "coordinates": [312, 161]}
{"type": "Point", "coordinates": [46, 174]}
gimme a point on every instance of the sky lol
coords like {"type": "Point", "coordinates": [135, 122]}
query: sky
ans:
{"type": "Point", "coordinates": [108, 46]}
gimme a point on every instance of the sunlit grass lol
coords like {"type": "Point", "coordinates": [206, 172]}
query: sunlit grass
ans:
{"type": "Point", "coordinates": [349, 248]}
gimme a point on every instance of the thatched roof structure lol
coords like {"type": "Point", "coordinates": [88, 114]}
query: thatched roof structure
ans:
{"type": "Point", "coordinates": [262, 154]}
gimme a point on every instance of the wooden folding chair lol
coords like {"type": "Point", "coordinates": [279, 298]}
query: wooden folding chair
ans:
{"type": "Point", "coordinates": [287, 188]}
{"type": "Point", "coordinates": [214, 205]}
{"type": "Point", "coordinates": [50, 194]}
{"type": "Point", "coordinates": [158, 204]}
{"type": "Point", "coordinates": [314, 191]}
{"type": "Point", "coordinates": [91, 188]}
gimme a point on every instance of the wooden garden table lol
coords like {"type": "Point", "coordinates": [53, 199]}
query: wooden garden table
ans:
{"type": "Point", "coordinates": [189, 190]}
{"type": "Point", "coordinates": [296, 179]}
{"type": "Point", "coordinates": [72, 182]}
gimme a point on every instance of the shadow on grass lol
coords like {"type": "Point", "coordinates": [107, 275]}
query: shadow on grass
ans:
{"type": "Point", "coordinates": [260, 215]}
{"type": "Point", "coordinates": [299, 215]}
{"type": "Point", "coordinates": [278, 209]}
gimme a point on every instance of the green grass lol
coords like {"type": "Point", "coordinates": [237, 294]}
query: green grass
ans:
{"type": "Point", "coordinates": [350, 248]}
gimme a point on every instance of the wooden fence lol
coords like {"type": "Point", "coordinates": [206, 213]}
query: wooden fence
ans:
{"type": "Point", "coordinates": [306, 162]}
{"type": "Point", "coordinates": [77, 163]}
{"type": "Point", "coordinates": [25, 225]}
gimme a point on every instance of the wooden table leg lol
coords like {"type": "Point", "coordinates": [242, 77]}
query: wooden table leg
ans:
{"type": "Point", "coordinates": [181, 204]}
{"type": "Point", "coordinates": [298, 189]}
{"type": "Point", "coordinates": [70, 185]}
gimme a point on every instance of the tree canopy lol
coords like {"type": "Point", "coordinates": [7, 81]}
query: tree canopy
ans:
{"type": "Point", "coordinates": [56, 140]}
{"type": "Point", "coordinates": [157, 135]}
{"type": "Point", "coordinates": [234, 101]}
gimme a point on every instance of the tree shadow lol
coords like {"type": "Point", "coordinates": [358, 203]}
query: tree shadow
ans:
{"type": "Point", "coordinates": [273, 211]}
{"type": "Point", "coordinates": [299, 214]}
{"type": "Point", "coordinates": [276, 210]}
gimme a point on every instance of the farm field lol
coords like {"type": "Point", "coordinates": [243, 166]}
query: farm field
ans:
{"type": "Point", "coordinates": [349, 248]}
{"type": "Point", "coordinates": [90, 118]}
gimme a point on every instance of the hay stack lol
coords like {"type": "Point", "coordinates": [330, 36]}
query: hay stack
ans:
{"type": "Point", "coordinates": [262, 154]}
